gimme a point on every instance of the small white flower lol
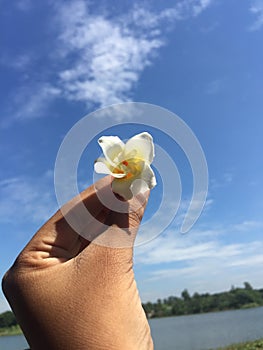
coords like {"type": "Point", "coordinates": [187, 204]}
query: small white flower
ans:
{"type": "Point", "coordinates": [128, 163]}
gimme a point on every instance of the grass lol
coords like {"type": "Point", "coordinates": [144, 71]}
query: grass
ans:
{"type": "Point", "coordinates": [252, 345]}
{"type": "Point", "coordinates": [14, 330]}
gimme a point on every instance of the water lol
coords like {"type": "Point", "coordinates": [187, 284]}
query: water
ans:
{"type": "Point", "coordinates": [197, 332]}
{"type": "Point", "coordinates": [207, 331]}
{"type": "Point", "coordinates": [14, 342]}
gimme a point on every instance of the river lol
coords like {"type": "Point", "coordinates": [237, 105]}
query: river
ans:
{"type": "Point", "coordinates": [193, 332]}
{"type": "Point", "coordinates": [207, 331]}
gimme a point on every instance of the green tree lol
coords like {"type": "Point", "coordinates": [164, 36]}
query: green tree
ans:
{"type": "Point", "coordinates": [196, 305]}
{"type": "Point", "coordinates": [7, 319]}
{"type": "Point", "coordinates": [234, 299]}
{"type": "Point", "coordinates": [178, 307]}
{"type": "Point", "coordinates": [185, 295]}
{"type": "Point", "coordinates": [148, 307]}
{"type": "Point", "coordinates": [248, 286]}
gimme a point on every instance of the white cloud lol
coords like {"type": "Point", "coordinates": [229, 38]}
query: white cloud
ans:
{"type": "Point", "coordinates": [31, 103]}
{"type": "Point", "coordinates": [198, 244]}
{"type": "Point", "coordinates": [201, 260]}
{"type": "Point", "coordinates": [200, 6]}
{"type": "Point", "coordinates": [97, 58]}
{"type": "Point", "coordinates": [174, 247]}
{"type": "Point", "coordinates": [36, 103]}
{"type": "Point", "coordinates": [204, 275]}
{"type": "Point", "coordinates": [188, 8]}
{"type": "Point", "coordinates": [248, 225]}
{"type": "Point", "coordinates": [257, 9]}
{"type": "Point", "coordinates": [22, 198]}
{"type": "Point", "coordinates": [113, 52]}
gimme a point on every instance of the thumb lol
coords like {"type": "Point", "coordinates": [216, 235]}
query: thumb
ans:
{"type": "Point", "coordinates": [122, 224]}
{"type": "Point", "coordinates": [109, 257]}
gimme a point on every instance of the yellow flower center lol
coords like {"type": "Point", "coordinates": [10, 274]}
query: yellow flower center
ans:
{"type": "Point", "coordinates": [129, 167]}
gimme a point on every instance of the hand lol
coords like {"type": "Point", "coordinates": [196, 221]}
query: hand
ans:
{"type": "Point", "coordinates": [70, 292]}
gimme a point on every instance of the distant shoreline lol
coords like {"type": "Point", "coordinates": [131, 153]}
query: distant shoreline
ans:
{"type": "Point", "coordinates": [207, 312]}
{"type": "Point", "coordinates": [9, 331]}
{"type": "Point", "coordinates": [235, 299]}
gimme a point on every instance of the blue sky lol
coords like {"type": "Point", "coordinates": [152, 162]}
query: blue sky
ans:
{"type": "Point", "coordinates": [201, 59]}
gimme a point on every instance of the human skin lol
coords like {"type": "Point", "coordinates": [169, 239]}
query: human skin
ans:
{"type": "Point", "coordinates": [68, 292]}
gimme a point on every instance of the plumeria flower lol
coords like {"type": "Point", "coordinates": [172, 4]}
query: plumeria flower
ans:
{"type": "Point", "coordinates": [128, 163]}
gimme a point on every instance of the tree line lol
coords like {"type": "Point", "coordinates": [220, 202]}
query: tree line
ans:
{"type": "Point", "coordinates": [186, 304]}
{"type": "Point", "coordinates": [7, 319]}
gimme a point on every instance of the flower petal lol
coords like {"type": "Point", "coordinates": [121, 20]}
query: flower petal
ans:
{"type": "Point", "coordinates": [143, 145]}
{"type": "Point", "coordinates": [102, 166]}
{"type": "Point", "coordinates": [148, 176]}
{"type": "Point", "coordinates": [139, 186]}
{"type": "Point", "coordinates": [122, 188]}
{"type": "Point", "coordinates": [111, 146]}
{"type": "Point", "coordinates": [127, 188]}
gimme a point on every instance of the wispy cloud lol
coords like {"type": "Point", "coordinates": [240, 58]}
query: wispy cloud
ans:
{"type": "Point", "coordinates": [99, 57]}
{"type": "Point", "coordinates": [201, 261]}
{"type": "Point", "coordinates": [198, 243]}
{"type": "Point", "coordinates": [113, 52]}
{"type": "Point", "coordinates": [174, 247]}
{"type": "Point", "coordinates": [111, 55]}
{"type": "Point", "coordinates": [31, 103]}
{"type": "Point", "coordinates": [206, 275]}
{"type": "Point", "coordinates": [200, 6]}
{"type": "Point", "coordinates": [30, 198]}
{"type": "Point", "coordinates": [225, 180]}
{"type": "Point", "coordinates": [257, 9]}
{"type": "Point", "coordinates": [207, 258]}
{"type": "Point", "coordinates": [19, 62]}
{"type": "Point", "coordinates": [248, 225]}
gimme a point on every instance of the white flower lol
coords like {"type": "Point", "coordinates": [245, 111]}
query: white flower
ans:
{"type": "Point", "coordinates": [128, 163]}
